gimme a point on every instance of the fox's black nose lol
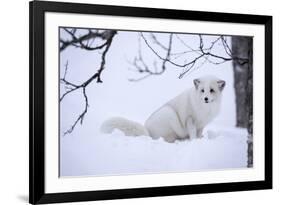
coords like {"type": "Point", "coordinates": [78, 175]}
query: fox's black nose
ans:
{"type": "Point", "coordinates": [206, 99]}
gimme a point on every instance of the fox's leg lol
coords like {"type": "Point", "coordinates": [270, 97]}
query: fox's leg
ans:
{"type": "Point", "coordinates": [199, 133]}
{"type": "Point", "coordinates": [176, 124]}
{"type": "Point", "coordinates": [191, 128]}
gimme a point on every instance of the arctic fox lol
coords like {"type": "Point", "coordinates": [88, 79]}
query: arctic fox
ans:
{"type": "Point", "coordinates": [183, 117]}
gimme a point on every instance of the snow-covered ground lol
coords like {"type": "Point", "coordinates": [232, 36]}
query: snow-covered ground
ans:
{"type": "Point", "coordinates": [88, 152]}
{"type": "Point", "coordinates": [118, 154]}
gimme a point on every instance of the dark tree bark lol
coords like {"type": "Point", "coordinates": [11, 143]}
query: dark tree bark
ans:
{"type": "Point", "coordinates": [243, 84]}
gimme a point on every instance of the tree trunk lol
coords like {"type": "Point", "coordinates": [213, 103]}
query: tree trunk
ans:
{"type": "Point", "coordinates": [243, 84]}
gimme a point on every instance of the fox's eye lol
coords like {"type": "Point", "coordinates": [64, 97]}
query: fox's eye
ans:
{"type": "Point", "coordinates": [212, 90]}
{"type": "Point", "coordinates": [202, 91]}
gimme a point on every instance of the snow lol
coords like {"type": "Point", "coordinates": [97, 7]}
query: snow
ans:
{"type": "Point", "coordinates": [88, 152]}
{"type": "Point", "coordinates": [118, 154]}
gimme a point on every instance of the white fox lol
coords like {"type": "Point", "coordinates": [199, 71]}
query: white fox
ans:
{"type": "Point", "coordinates": [183, 117]}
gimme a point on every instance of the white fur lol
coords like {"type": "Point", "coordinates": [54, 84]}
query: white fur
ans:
{"type": "Point", "coordinates": [128, 127]}
{"type": "Point", "coordinates": [183, 117]}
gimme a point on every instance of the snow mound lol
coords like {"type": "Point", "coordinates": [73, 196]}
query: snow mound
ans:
{"type": "Point", "coordinates": [117, 154]}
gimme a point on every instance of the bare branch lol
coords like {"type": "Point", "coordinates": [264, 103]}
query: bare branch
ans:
{"type": "Point", "coordinates": [158, 42]}
{"type": "Point", "coordinates": [160, 57]}
{"type": "Point", "coordinates": [226, 46]}
{"type": "Point", "coordinates": [82, 115]}
{"type": "Point", "coordinates": [84, 43]}
{"type": "Point", "coordinates": [202, 53]}
{"type": "Point", "coordinates": [238, 59]}
{"type": "Point", "coordinates": [142, 67]}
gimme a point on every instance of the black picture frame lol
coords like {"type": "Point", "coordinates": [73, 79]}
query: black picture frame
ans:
{"type": "Point", "coordinates": [37, 194]}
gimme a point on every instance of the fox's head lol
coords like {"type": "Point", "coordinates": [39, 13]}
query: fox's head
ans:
{"type": "Point", "coordinates": [209, 88]}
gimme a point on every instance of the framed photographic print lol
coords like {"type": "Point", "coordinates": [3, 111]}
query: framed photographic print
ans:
{"type": "Point", "coordinates": [141, 102]}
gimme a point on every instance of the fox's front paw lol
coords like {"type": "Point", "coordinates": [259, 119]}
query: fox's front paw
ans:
{"type": "Point", "coordinates": [170, 139]}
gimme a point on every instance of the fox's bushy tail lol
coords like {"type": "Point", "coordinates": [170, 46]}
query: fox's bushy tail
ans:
{"type": "Point", "coordinates": [128, 127]}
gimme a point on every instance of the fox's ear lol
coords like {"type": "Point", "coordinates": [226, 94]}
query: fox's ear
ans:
{"type": "Point", "coordinates": [196, 83]}
{"type": "Point", "coordinates": [221, 84]}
